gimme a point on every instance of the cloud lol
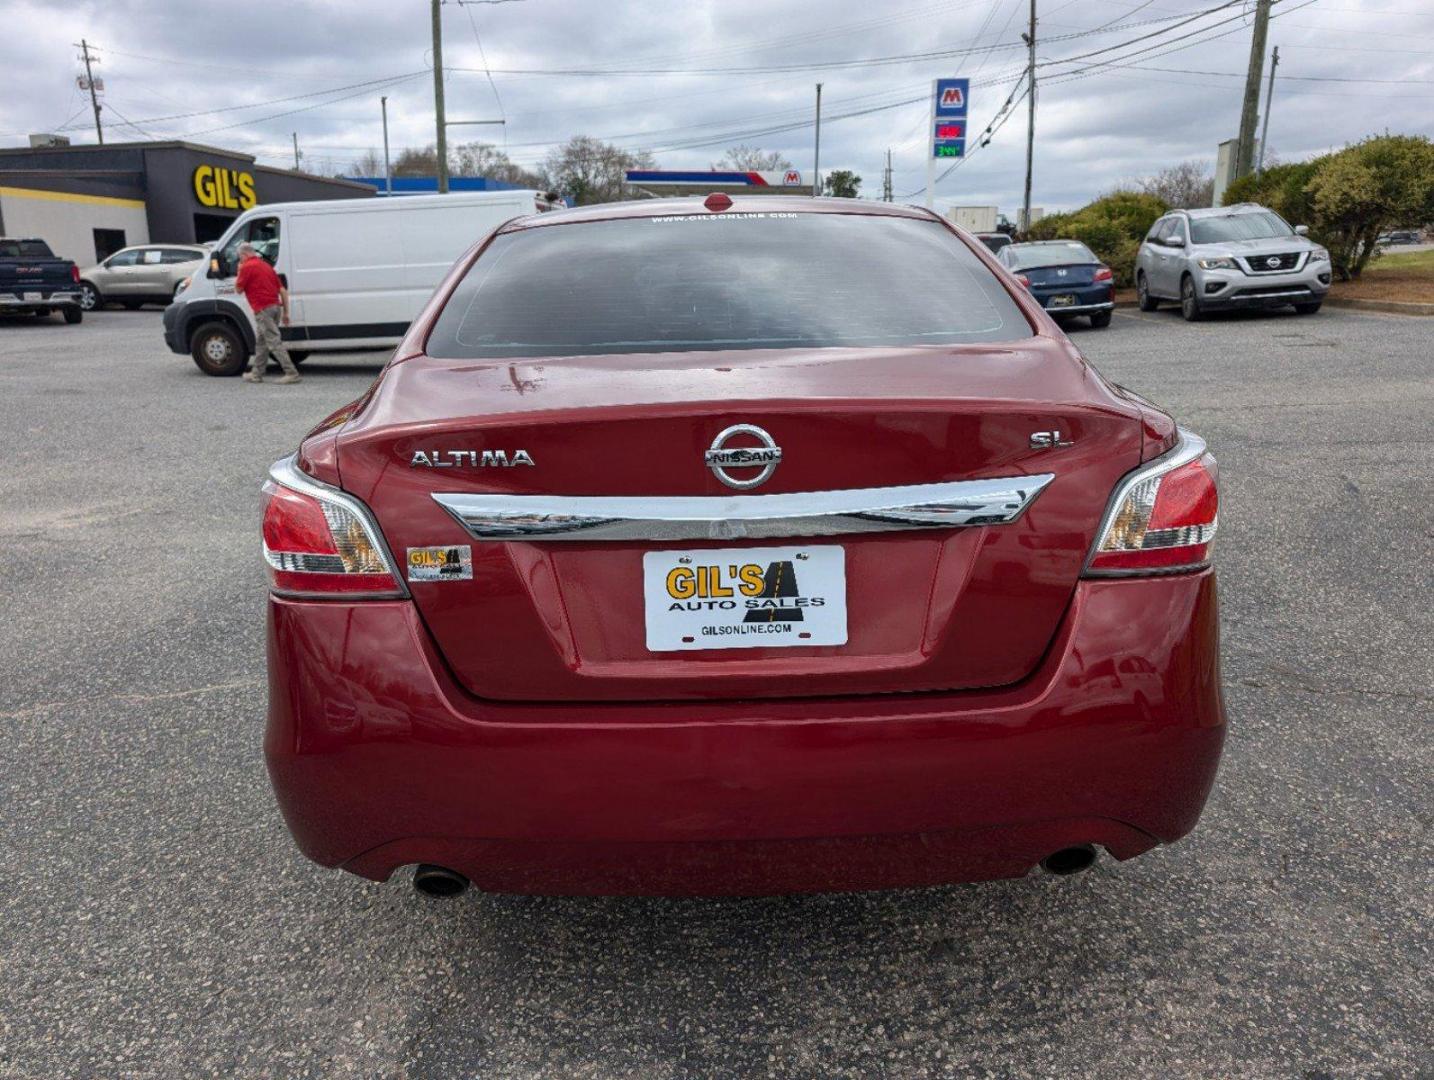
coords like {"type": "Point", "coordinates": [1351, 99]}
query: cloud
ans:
{"type": "Point", "coordinates": [166, 60]}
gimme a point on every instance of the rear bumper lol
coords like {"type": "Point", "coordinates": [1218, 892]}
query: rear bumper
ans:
{"type": "Point", "coordinates": [379, 759]}
{"type": "Point", "coordinates": [47, 298]}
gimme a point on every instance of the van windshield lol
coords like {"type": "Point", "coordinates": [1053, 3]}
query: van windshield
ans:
{"type": "Point", "coordinates": [705, 281]}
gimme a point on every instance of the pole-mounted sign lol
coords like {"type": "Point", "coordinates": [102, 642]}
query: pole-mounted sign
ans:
{"type": "Point", "coordinates": [950, 102]}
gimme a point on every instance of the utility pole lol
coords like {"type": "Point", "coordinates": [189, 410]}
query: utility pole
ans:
{"type": "Point", "coordinates": [84, 46]}
{"type": "Point", "coordinates": [1030, 116]}
{"type": "Point", "coordinates": [886, 179]}
{"type": "Point", "coordinates": [817, 151]}
{"type": "Point", "coordinates": [296, 151]}
{"type": "Point", "coordinates": [438, 96]}
{"type": "Point", "coordinates": [1249, 112]}
{"type": "Point", "coordinates": [1265, 125]}
{"type": "Point", "coordinates": [387, 172]}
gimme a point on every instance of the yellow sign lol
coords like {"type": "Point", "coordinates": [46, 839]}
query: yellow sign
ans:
{"type": "Point", "coordinates": [228, 189]}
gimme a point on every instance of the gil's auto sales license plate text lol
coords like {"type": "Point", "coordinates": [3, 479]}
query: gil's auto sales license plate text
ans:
{"type": "Point", "coordinates": [745, 598]}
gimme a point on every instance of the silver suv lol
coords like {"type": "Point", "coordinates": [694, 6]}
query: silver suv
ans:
{"type": "Point", "coordinates": [1230, 257]}
{"type": "Point", "coordinates": [147, 274]}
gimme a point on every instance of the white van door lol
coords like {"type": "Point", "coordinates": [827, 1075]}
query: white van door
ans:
{"type": "Point", "coordinates": [346, 277]}
{"type": "Point", "coordinates": [437, 234]}
{"type": "Point", "coordinates": [266, 233]}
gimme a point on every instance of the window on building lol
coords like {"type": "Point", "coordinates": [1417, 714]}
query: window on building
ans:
{"type": "Point", "coordinates": [107, 242]}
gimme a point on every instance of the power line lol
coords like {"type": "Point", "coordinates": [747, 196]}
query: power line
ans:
{"type": "Point", "coordinates": [280, 100]}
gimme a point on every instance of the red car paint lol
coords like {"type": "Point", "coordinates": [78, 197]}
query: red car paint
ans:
{"type": "Point", "coordinates": [990, 706]}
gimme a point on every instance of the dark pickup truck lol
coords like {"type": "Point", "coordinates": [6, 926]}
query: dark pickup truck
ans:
{"type": "Point", "coordinates": [33, 280]}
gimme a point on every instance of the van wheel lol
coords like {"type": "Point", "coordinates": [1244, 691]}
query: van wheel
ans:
{"type": "Point", "coordinates": [90, 297]}
{"type": "Point", "coordinates": [1142, 293]}
{"type": "Point", "coordinates": [217, 350]}
{"type": "Point", "coordinates": [72, 314]}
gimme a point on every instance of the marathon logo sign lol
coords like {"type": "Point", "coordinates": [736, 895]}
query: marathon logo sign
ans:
{"type": "Point", "coordinates": [952, 98]}
{"type": "Point", "coordinates": [224, 189]}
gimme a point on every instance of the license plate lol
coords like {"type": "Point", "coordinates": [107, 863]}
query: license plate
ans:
{"type": "Point", "coordinates": [32, 297]}
{"type": "Point", "coordinates": [1065, 300]}
{"type": "Point", "coordinates": [744, 598]}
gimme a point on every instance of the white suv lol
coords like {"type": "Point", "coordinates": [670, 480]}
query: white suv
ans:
{"type": "Point", "coordinates": [1230, 257]}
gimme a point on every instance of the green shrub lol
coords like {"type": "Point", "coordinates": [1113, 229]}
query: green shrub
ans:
{"type": "Point", "coordinates": [1349, 197]}
{"type": "Point", "coordinates": [1112, 227]}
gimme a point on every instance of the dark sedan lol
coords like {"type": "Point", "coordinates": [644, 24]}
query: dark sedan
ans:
{"type": "Point", "coordinates": [1065, 276]}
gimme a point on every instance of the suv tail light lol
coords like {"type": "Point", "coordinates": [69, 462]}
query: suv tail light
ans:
{"type": "Point", "coordinates": [1104, 273]}
{"type": "Point", "coordinates": [321, 542]}
{"type": "Point", "coordinates": [1163, 516]}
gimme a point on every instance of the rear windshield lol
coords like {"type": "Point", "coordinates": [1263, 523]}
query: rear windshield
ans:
{"type": "Point", "coordinates": [25, 249]}
{"type": "Point", "coordinates": [724, 281]}
{"type": "Point", "coordinates": [1223, 230]}
{"type": "Point", "coordinates": [1066, 253]}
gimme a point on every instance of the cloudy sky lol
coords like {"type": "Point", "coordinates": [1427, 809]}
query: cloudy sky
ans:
{"type": "Point", "coordinates": [1124, 87]}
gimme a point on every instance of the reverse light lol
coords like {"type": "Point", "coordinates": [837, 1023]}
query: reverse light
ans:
{"type": "Point", "coordinates": [1218, 264]}
{"type": "Point", "coordinates": [1162, 517]}
{"type": "Point", "coordinates": [322, 542]}
{"type": "Point", "coordinates": [1104, 273]}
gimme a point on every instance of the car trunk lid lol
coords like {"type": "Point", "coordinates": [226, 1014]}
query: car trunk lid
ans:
{"type": "Point", "coordinates": [926, 609]}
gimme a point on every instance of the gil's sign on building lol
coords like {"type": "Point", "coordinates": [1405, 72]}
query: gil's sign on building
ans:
{"type": "Point", "coordinates": [226, 189]}
{"type": "Point", "coordinates": [950, 102]}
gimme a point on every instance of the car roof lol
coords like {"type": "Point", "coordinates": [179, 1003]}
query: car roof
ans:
{"type": "Point", "coordinates": [741, 204]}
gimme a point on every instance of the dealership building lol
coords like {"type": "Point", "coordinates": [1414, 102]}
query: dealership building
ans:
{"type": "Point", "coordinates": [87, 202]}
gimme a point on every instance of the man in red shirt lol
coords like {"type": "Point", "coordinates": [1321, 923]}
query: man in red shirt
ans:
{"type": "Point", "coordinates": [269, 300]}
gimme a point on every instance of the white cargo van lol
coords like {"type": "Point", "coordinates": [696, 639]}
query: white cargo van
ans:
{"type": "Point", "coordinates": [358, 271]}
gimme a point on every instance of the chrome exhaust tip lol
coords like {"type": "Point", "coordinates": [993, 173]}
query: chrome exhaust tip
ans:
{"type": "Point", "coordinates": [1070, 860]}
{"type": "Point", "coordinates": [439, 881]}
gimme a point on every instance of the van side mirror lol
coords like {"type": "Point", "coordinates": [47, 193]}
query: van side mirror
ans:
{"type": "Point", "coordinates": [1175, 241]}
{"type": "Point", "coordinates": [1302, 230]}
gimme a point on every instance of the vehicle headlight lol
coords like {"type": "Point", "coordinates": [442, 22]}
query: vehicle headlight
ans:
{"type": "Point", "coordinates": [1218, 264]}
{"type": "Point", "coordinates": [1319, 255]}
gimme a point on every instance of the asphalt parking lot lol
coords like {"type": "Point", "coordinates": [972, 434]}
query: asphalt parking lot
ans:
{"type": "Point", "coordinates": [158, 921]}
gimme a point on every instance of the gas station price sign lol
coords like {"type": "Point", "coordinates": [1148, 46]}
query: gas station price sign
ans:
{"type": "Point", "coordinates": [949, 107]}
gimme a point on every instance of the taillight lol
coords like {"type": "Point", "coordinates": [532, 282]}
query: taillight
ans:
{"type": "Point", "coordinates": [321, 542]}
{"type": "Point", "coordinates": [1025, 281]}
{"type": "Point", "coordinates": [74, 273]}
{"type": "Point", "coordinates": [1163, 516]}
{"type": "Point", "coordinates": [1105, 273]}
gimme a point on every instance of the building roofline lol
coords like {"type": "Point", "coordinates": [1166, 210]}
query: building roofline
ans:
{"type": "Point", "coordinates": [163, 144]}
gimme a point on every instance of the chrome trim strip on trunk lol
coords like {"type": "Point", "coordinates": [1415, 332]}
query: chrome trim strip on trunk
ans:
{"type": "Point", "coordinates": [728, 517]}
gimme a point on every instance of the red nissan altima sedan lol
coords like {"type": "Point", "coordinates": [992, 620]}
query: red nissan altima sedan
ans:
{"type": "Point", "coordinates": [739, 546]}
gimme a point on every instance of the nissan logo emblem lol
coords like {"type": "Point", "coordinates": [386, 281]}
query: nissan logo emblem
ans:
{"type": "Point", "coordinates": [719, 458]}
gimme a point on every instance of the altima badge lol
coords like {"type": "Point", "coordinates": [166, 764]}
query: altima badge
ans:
{"type": "Point", "coordinates": [478, 459]}
{"type": "Point", "coordinates": [765, 457]}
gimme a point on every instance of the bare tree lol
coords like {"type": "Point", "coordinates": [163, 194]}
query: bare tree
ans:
{"type": "Point", "coordinates": [412, 161]}
{"type": "Point", "coordinates": [746, 158]}
{"type": "Point", "coordinates": [370, 164]}
{"type": "Point", "coordinates": [590, 170]}
{"type": "Point", "coordinates": [485, 159]}
{"type": "Point", "coordinates": [1185, 186]}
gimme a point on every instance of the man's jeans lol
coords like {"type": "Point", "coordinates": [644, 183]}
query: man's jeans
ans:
{"type": "Point", "coordinates": [270, 341]}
